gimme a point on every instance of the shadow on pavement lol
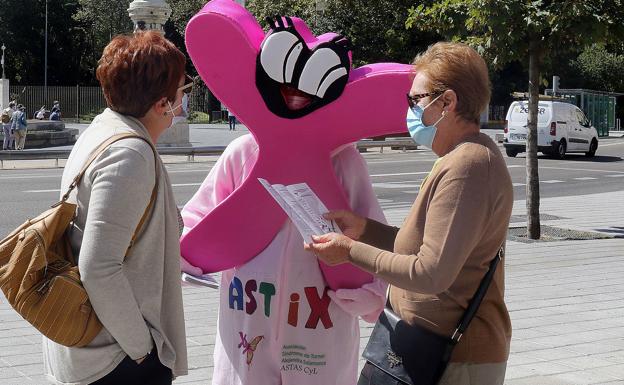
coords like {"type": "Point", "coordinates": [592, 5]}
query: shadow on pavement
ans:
{"type": "Point", "coordinates": [583, 158]}
{"type": "Point", "coordinates": [617, 231]}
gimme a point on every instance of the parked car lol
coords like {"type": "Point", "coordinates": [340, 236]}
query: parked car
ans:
{"type": "Point", "coordinates": [561, 128]}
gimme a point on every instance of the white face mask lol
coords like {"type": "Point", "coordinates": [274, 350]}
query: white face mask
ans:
{"type": "Point", "coordinates": [184, 105]}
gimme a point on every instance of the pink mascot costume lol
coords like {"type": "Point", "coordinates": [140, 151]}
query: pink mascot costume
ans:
{"type": "Point", "coordinates": [285, 318]}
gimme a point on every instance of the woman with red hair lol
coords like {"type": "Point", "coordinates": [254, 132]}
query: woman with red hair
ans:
{"type": "Point", "coordinates": [135, 291]}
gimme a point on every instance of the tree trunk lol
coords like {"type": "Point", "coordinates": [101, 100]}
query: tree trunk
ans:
{"type": "Point", "coordinates": [532, 189]}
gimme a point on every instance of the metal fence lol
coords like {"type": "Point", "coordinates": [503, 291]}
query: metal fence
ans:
{"type": "Point", "coordinates": [82, 103]}
{"type": "Point", "coordinates": [403, 144]}
{"type": "Point", "coordinates": [77, 102]}
{"type": "Point", "coordinates": [497, 112]}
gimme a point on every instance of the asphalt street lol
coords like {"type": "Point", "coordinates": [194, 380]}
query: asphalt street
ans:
{"type": "Point", "coordinates": [396, 177]}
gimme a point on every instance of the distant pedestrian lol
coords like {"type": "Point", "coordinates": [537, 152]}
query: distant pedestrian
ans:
{"type": "Point", "coordinates": [56, 105]}
{"type": "Point", "coordinates": [40, 114]}
{"type": "Point", "coordinates": [7, 115]}
{"type": "Point", "coordinates": [18, 126]}
{"type": "Point", "coordinates": [231, 119]}
{"type": "Point", "coordinates": [56, 114]}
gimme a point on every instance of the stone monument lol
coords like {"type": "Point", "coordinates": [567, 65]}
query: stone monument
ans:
{"type": "Point", "coordinates": [152, 15]}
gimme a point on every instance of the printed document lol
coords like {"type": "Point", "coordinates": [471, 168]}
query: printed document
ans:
{"type": "Point", "coordinates": [303, 207]}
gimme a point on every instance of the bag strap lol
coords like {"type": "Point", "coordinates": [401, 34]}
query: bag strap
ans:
{"type": "Point", "coordinates": [94, 155]}
{"type": "Point", "coordinates": [476, 300]}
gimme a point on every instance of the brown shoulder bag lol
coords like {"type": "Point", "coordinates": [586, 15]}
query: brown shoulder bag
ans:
{"type": "Point", "coordinates": [39, 275]}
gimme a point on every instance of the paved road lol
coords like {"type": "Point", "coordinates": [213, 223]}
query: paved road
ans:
{"type": "Point", "coordinates": [566, 299]}
{"type": "Point", "coordinates": [566, 302]}
{"type": "Point", "coordinates": [396, 178]}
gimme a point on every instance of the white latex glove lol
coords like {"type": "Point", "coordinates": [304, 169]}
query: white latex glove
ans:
{"type": "Point", "coordinates": [367, 301]}
{"type": "Point", "coordinates": [186, 267]}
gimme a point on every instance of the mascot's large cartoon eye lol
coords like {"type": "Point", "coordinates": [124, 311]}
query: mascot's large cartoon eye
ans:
{"type": "Point", "coordinates": [321, 70]}
{"type": "Point", "coordinates": [295, 80]}
{"type": "Point", "coordinates": [279, 55]}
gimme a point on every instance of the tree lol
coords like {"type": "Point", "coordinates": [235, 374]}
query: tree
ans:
{"type": "Point", "coordinates": [600, 69]}
{"type": "Point", "coordinates": [303, 9]}
{"type": "Point", "coordinates": [22, 30]}
{"type": "Point", "coordinates": [182, 12]}
{"type": "Point", "coordinates": [376, 29]}
{"type": "Point", "coordinates": [99, 21]}
{"type": "Point", "coordinates": [507, 30]}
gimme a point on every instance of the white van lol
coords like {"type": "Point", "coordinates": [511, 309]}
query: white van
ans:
{"type": "Point", "coordinates": [561, 128]}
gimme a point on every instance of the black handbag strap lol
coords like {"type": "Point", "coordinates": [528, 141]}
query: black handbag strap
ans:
{"type": "Point", "coordinates": [476, 300]}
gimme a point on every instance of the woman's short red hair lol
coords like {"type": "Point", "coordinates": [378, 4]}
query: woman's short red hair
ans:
{"type": "Point", "coordinates": [137, 70]}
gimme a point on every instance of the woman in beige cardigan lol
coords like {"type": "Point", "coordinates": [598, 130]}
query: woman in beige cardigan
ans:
{"type": "Point", "coordinates": [135, 293]}
{"type": "Point", "coordinates": [458, 222]}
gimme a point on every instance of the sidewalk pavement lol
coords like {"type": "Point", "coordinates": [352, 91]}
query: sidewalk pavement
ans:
{"type": "Point", "coordinates": [566, 300]}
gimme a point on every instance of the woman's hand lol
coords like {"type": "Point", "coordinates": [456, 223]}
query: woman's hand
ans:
{"type": "Point", "coordinates": [351, 224]}
{"type": "Point", "coordinates": [332, 248]}
{"type": "Point", "coordinates": [140, 360]}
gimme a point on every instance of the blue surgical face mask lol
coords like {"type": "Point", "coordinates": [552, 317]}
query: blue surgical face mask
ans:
{"type": "Point", "coordinates": [420, 133]}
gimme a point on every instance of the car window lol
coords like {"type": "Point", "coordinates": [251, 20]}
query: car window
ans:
{"type": "Point", "coordinates": [582, 119]}
{"type": "Point", "coordinates": [520, 113]}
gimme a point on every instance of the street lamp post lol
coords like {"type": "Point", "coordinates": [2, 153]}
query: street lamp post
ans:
{"type": "Point", "coordinates": [3, 48]}
{"type": "Point", "coordinates": [45, 65]}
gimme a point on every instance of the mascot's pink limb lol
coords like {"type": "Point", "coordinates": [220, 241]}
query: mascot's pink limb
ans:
{"type": "Point", "coordinates": [291, 149]}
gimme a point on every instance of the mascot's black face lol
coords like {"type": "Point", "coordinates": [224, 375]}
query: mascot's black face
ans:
{"type": "Point", "coordinates": [294, 80]}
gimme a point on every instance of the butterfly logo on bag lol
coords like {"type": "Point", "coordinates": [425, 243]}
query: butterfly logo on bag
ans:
{"type": "Point", "coordinates": [249, 348]}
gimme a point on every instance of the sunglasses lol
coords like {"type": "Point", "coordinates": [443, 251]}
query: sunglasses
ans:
{"type": "Point", "coordinates": [187, 88]}
{"type": "Point", "coordinates": [412, 100]}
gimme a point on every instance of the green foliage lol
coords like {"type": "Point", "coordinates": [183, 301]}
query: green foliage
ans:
{"type": "Point", "coordinates": [198, 117]}
{"type": "Point", "coordinates": [99, 21]}
{"type": "Point", "coordinates": [600, 69]}
{"type": "Point", "coordinates": [182, 12]}
{"type": "Point", "coordinates": [304, 9]}
{"type": "Point", "coordinates": [529, 31]}
{"type": "Point", "coordinates": [22, 30]}
{"type": "Point", "coordinates": [500, 30]}
{"type": "Point", "coordinates": [376, 29]}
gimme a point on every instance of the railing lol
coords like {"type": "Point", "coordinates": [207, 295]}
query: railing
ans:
{"type": "Point", "coordinates": [189, 152]}
{"type": "Point", "coordinates": [83, 103]}
{"type": "Point", "coordinates": [77, 102]}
